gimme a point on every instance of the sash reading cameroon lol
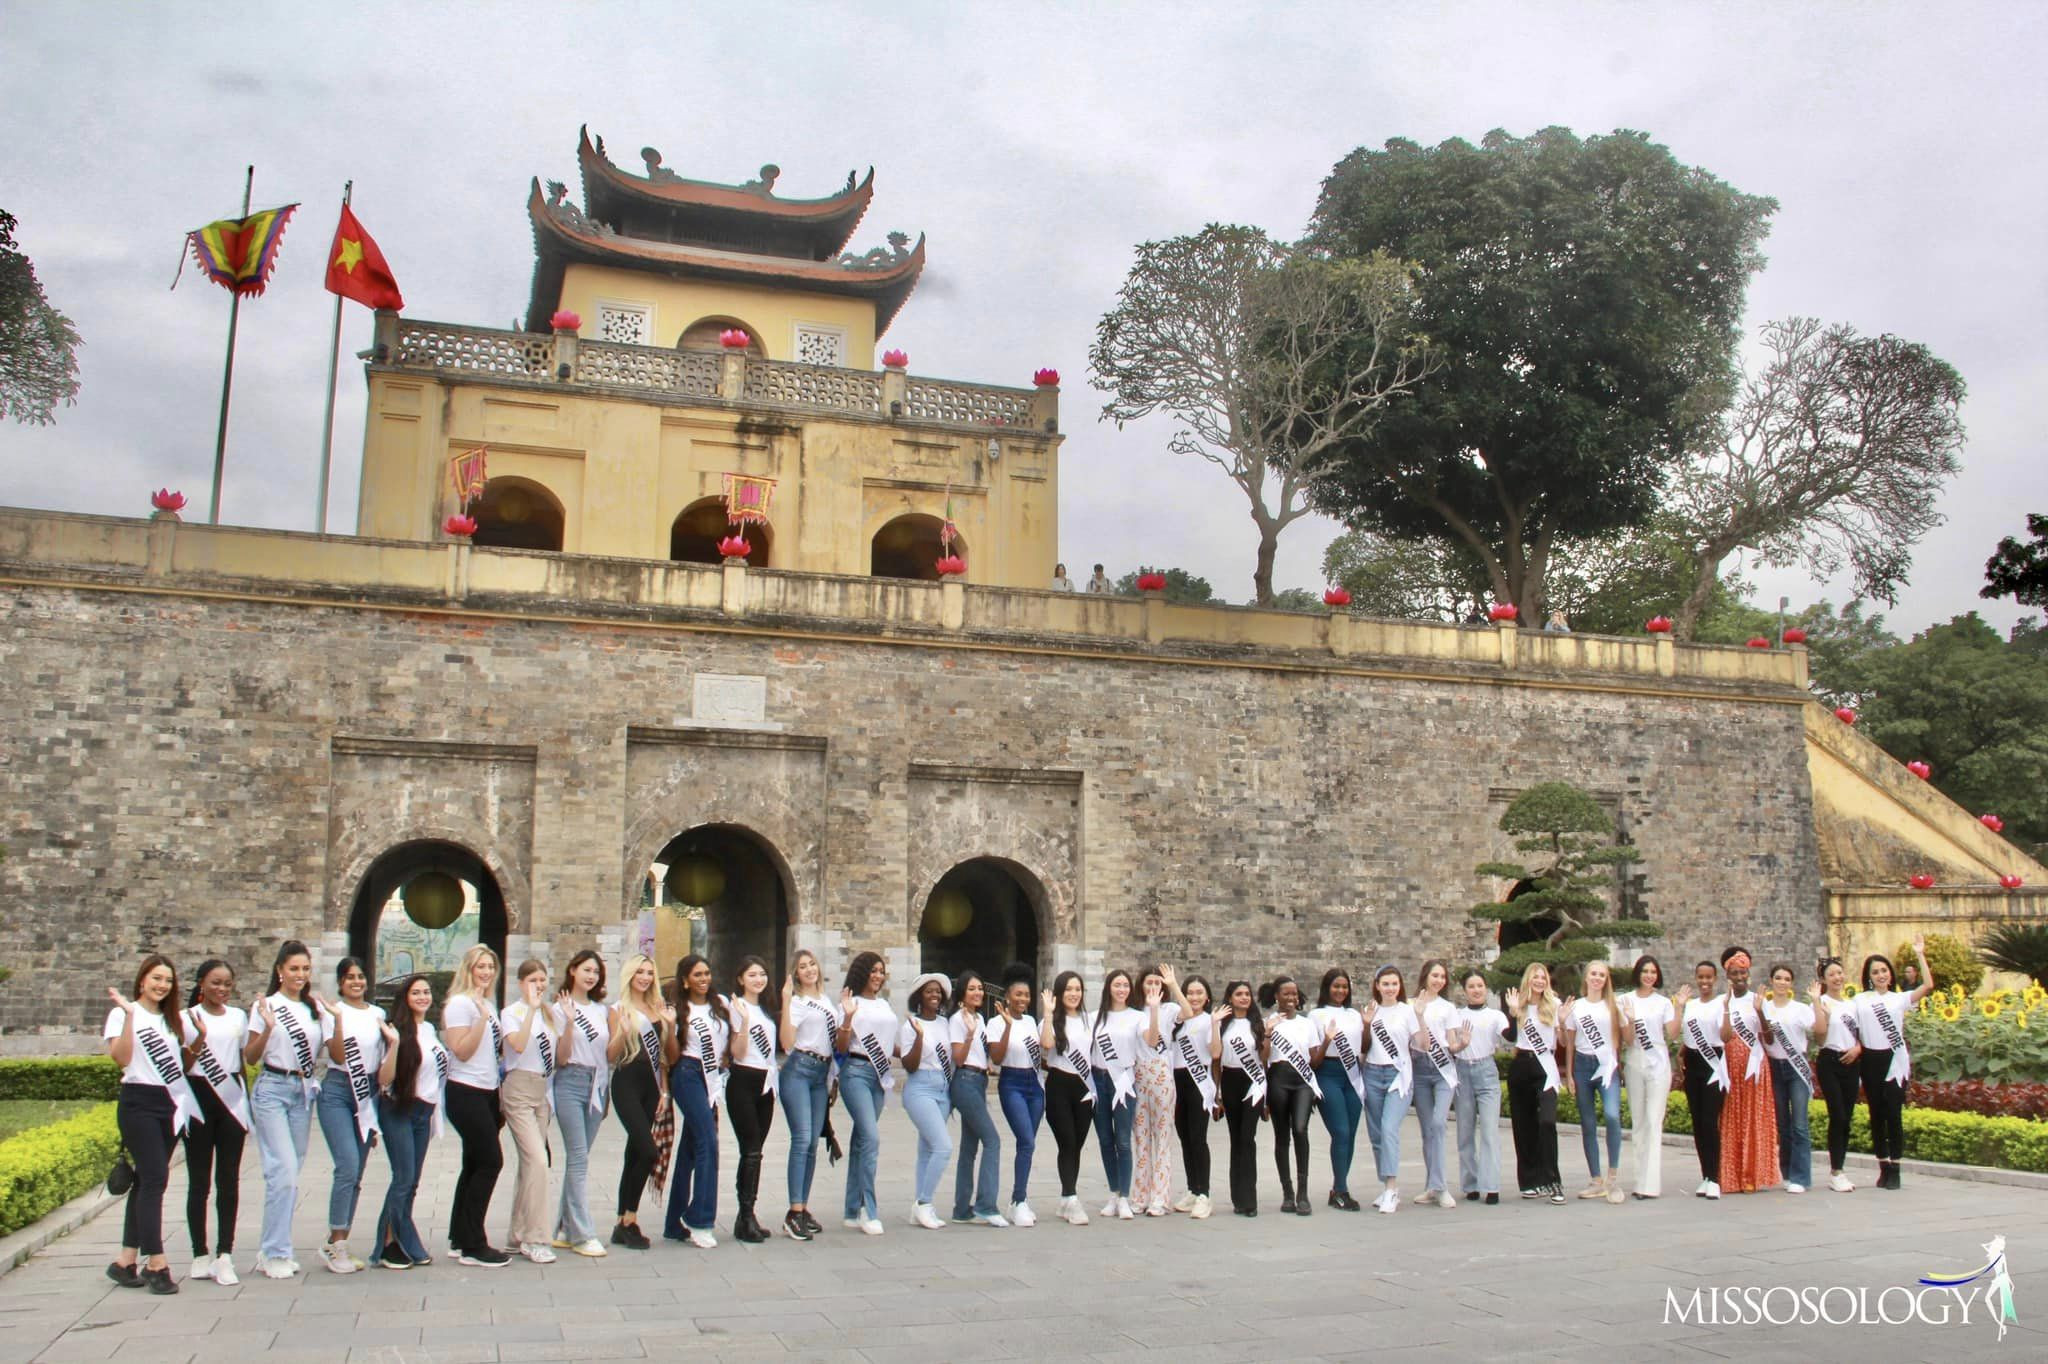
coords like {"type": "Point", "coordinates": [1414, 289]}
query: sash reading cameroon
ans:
{"type": "Point", "coordinates": [1749, 1039]}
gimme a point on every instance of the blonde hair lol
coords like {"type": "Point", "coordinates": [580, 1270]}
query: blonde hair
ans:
{"type": "Point", "coordinates": [1547, 1005]}
{"type": "Point", "coordinates": [465, 972]}
{"type": "Point", "coordinates": [646, 1004]}
{"type": "Point", "coordinates": [796, 984]}
{"type": "Point", "coordinates": [1613, 1005]}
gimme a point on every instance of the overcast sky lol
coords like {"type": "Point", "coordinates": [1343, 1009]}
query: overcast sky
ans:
{"type": "Point", "coordinates": [1035, 144]}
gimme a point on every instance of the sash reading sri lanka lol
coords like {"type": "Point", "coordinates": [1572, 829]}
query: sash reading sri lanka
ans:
{"type": "Point", "coordinates": [163, 1058]}
{"type": "Point", "coordinates": [1404, 1069]}
{"type": "Point", "coordinates": [1285, 1050]}
{"type": "Point", "coordinates": [1196, 1065]}
{"type": "Point", "coordinates": [1901, 1068]}
{"type": "Point", "coordinates": [1603, 1048]}
{"type": "Point", "coordinates": [1697, 1039]}
{"type": "Point", "coordinates": [1533, 1037]}
{"type": "Point", "coordinates": [227, 1085]}
{"type": "Point", "coordinates": [1745, 1029]}
{"type": "Point", "coordinates": [362, 1085]}
{"type": "Point", "coordinates": [1794, 1056]}
{"type": "Point", "coordinates": [1122, 1077]}
{"type": "Point", "coordinates": [1239, 1040]}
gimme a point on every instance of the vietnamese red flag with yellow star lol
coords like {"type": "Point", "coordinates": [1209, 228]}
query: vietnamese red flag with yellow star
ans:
{"type": "Point", "coordinates": [356, 268]}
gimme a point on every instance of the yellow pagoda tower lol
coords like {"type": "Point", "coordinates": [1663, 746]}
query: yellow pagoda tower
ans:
{"type": "Point", "coordinates": [698, 362]}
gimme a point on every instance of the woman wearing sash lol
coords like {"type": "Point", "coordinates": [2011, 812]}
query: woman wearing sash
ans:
{"type": "Point", "coordinates": [808, 1023]}
{"type": "Point", "coordinates": [535, 1040]}
{"type": "Point", "coordinates": [1152, 1128]}
{"type": "Point", "coordinates": [1706, 1071]}
{"type": "Point", "coordinates": [1195, 1101]}
{"type": "Point", "coordinates": [696, 1085]}
{"type": "Point", "coordinates": [144, 1036]}
{"type": "Point", "coordinates": [1593, 1033]}
{"type": "Point", "coordinates": [1341, 1076]}
{"type": "Point", "coordinates": [356, 1037]}
{"type": "Point", "coordinates": [1477, 1097]}
{"type": "Point", "coordinates": [1069, 1085]}
{"type": "Point", "coordinates": [1532, 1084]}
{"type": "Point", "coordinates": [1295, 1046]}
{"type": "Point", "coordinates": [1788, 1023]}
{"type": "Point", "coordinates": [412, 1078]}
{"type": "Point", "coordinates": [475, 1041]}
{"type": "Point", "coordinates": [1241, 1053]}
{"type": "Point", "coordinates": [867, 1030]}
{"type": "Point", "coordinates": [974, 1190]}
{"type": "Point", "coordinates": [1115, 1038]}
{"type": "Point", "coordinates": [1885, 1063]}
{"type": "Point", "coordinates": [751, 1096]}
{"type": "Point", "coordinates": [642, 1049]}
{"type": "Point", "coordinates": [284, 1033]}
{"type": "Point", "coordinates": [1841, 1048]}
{"type": "Point", "coordinates": [1749, 1123]}
{"type": "Point", "coordinates": [1438, 1035]}
{"type": "Point", "coordinates": [926, 1047]}
{"type": "Point", "coordinates": [581, 1093]}
{"type": "Point", "coordinates": [1019, 1057]}
{"type": "Point", "coordinates": [1649, 1023]}
{"type": "Point", "coordinates": [1390, 1024]}
{"type": "Point", "coordinates": [215, 1033]}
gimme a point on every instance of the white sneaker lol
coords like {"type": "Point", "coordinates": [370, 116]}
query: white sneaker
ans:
{"type": "Point", "coordinates": [538, 1252]}
{"type": "Point", "coordinates": [293, 1261]}
{"type": "Point", "coordinates": [1109, 1208]}
{"type": "Point", "coordinates": [1446, 1200]}
{"type": "Point", "coordinates": [275, 1269]}
{"type": "Point", "coordinates": [854, 1223]}
{"type": "Point", "coordinates": [1387, 1201]}
{"type": "Point", "coordinates": [1839, 1182]}
{"type": "Point", "coordinates": [872, 1226]}
{"type": "Point", "coordinates": [202, 1267]}
{"type": "Point", "coordinates": [1201, 1207]}
{"type": "Point", "coordinates": [703, 1240]}
{"type": "Point", "coordinates": [1185, 1203]}
{"type": "Point", "coordinates": [1795, 1188]}
{"type": "Point", "coordinates": [1072, 1211]}
{"type": "Point", "coordinates": [1701, 1191]}
{"type": "Point", "coordinates": [1155, 1210]}
{"type": "Point", "coordinates": [994, 1219]}
{"type": "Point", "coordinates": [1713, 1189]}
{"type": "Point", "coordinates": [593, 1247]}
{"type": "Point", "coordinates": [1124, 1211]}
{"type": "Point", "coordinates": [921, 1214]}
{"type": "Point", "coordinates": [1022, 1216]}
{"type": "Point", "coordinates": [224, 1271]}
{"type": "Point", "coordinates": [335, 1256]}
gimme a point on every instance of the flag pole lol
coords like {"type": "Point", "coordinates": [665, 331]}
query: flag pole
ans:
{"type": "Point", "coordinates": [333, 364]}
{"type": "Point", "coordinates": [227, 380]}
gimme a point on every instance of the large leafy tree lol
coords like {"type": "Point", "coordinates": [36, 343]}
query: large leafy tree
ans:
{"type": "Point", "coordinates": [1833, 454]}
{"type": "Point", "coordinates": [1182, 587]}
{"type": "Point", "coordinates": [2020, 567]}
{"type": "Point", "coordinates": [38, 345]}
{"type": "Point", "coordinates": [1584, 296]}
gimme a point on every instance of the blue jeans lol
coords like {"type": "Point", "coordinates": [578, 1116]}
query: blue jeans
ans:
{"type": "Point", "coordinates": [977, 1133]}
{"type": "Point", "coordinates": [1594, 1100]}
{"type": "Point", "coordinates": [580, 1124]}
{"type": "Point", "coordinates": [1433, 1111]}
{"type": "Point", "coordinates": [926, 1100]}
{"type": "Point", "coordinates": [1477, 1101]}
{"type": "Point", "coordinates": [336, 1109]}
{"type": "Point", "coordinates": [1023, 1100]}
{"type": "Point", "coordinates": [860, 1089]}
{"type": "Point", "coordinates": [1385, 1107]}
{"type": "Point", "coordinates": [804, 1088]}
{"type": "Point", "coordinates": [1342, 1109]}
{"type": "Point", "coordinates": [1113, 1134]}
{"type": "Point", "coordinates": [281, 1112]}
{"type": "Point", "coordinates": [1795, 1143]}
{"type": "Point", "coordinates": [406, 1135]}
{"type": "Point", "coordinates": [693, 1183]}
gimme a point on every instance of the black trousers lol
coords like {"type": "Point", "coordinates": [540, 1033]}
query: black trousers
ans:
{"type": "Point", "coordinates": [636, 1098]}
{"type": "Point", "coordinates": [1532, 1113]}
{"type": "Point", "coordinates": [1704, 1098]}
{"type": "Point", "coordinates": [1191, 1124]}
{"type": "Point", "coordinates": [752, 1105]}
{"type": "Point", "coordinates": [213, 1158]}
{"type": "Point", "coordinates": [1887, 1105]}
{"type": "Point", "coordinates": [1241, 1115]}
{"type": "Point", "coordinates": [1838, 1084]}
{"type": "Point", "coordinates": [1072, 1120]}
{"type": "Point", "coordinates": [144, 1115]}
{"type": "Point", "coordinates": [1290, 1102]}
{"type": "Point", "coordinates": [475, 1115]}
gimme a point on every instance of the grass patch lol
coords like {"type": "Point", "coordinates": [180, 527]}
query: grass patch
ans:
{"type": "Point", "coordinates": [18, 1115]}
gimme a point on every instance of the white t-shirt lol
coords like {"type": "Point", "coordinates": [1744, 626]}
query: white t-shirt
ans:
{"type": "Point", "coordinates": [1350, 1027]}
{"type": "Point", "coordinates": [225, 1032]}
{"type": "Point", "coordinates": [1017, 1050]}
{"type": "Point", "coordinates": [1302, 1032]}
{"type": "Point", "coordinates": [1234, 1029]}
{"type": "Point", "coordinates": [1169, 1014]}
{"type": "Point", "coordinates": [1443, 1019]}
{"type": "Point", "coordinates": [972, 1029]}
{"type": "Point", "coordinates": [924, 1039]}
{"type": "Point", "coordinates": [1488, 1026]}
{"type": "Point", "coordinates": [1398, 1022]}
{"type": "Point", "coordinates": [543, 1050]}
{"type": "Point", "coordinates": [1596, 1012]}
{"type": "Point", "coordinates": [1896, 1003]}
{"type": "Point", "coordinates": [1116, 1039]}
{"type": "Point", "coordinates": [1746, 1011]}
{"type": "Point", "coordinates": [1545, 1042]}
{"type": "Point", "coordinates": [816, 1020]}
{"type": "Point", "coordinates": [706, 1036]}
{"type": "Point", "coordinates": [142, 1067]}
{"type": "Point", "coordinates": [364, 1026]}
{"type": "Point", "coordinates": [480, 1071]}
{"type": "Point", "coordinates": [1702, 1020]}
{"type": "Point", "coordinates": [282, 1050]}
{"type": "Point", "coordinates": [1197, 1029]}
{"type": "Point", "coordinates": [755, 1046]}
{"type": "Point", "coordinates": [590, 1034]}
{"type": "Point", "coordinates": [1793, 1022]}
{"type": "Point", "coordinates": [1842, 1033]}
{"type": "Point", "coordinates": [1077, 1026]}
{"type": "Point", "coordinates": [1646, 1016]}
{"type": "Point", "coordinates": [874, 1033]}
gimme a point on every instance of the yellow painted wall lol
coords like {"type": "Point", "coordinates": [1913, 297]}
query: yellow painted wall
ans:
{"type": "Point", "coordinates": [770, 314]}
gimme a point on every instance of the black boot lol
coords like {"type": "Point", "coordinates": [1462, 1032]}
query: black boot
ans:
{"type": "Point", "coordinates": [744, 1226]}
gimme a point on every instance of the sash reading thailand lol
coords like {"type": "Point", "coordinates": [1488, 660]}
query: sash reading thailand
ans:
{"type": "Point", "coordinates": [163, 1058]}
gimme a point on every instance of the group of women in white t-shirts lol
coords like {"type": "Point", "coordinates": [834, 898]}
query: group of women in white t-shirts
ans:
{"type": "Point", "coordinates": [1146, 1068]}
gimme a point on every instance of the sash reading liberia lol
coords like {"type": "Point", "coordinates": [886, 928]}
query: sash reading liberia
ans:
{"type": "Point", "coordinates": [1439, 1055]}
{"type": "Point", "coordinates": [362, 1085]}
{"type": "Point", "coordinates": [1404, 1069]}
{"type": "Point", "coordinates": [296, 1033]}
{"type": "Point", "coordinates": [1240, 1043]}
{"type": "Point", "coordinates": [1122, 1076]}
{"type": "Point", "coordinates": [1347, 1057]}
{"type": "Point", "coordinates": [1196, 1064]}
{"type": "Point", "coordinates": [1532, 1037]}
{"type": "Point", "coordinates": [1901, 1068]}
{"type": "Point", "coordinates": [1603, 1049]}
{"type": "Point", "coordinates": [600, 1083]}
{"type": "Point", "coordinates": [1745, 1030]}
{"type": "Point", "coordinates": [1794, 1056]}
{"type": "Point", "coordinates": [163, 1058]}
{"type": "Point", "coordinates": [1284, 1048]}
{"type": "Point", "coordinates": [1696, 1038]}
{"type": "Point", "coordinates": [227, 1085]}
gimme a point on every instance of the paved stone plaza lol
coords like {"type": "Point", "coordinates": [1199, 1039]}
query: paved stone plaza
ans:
{"type": "Point", "coordinates": [1523, 1280]}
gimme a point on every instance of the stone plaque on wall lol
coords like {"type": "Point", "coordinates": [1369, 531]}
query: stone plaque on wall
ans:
{"type": "Point", "coordinates": [729, 699]}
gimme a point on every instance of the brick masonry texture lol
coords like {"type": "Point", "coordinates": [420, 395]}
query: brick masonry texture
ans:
{"type": "Point", "coordinates": [202, 776]}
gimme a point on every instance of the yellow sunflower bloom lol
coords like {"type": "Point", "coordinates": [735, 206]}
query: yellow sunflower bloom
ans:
{"type": "Point", "coordinates": [1956, 991]}
{"type": "Point", "coordinates": [1951, 1013]}
{"type": "Point", "coordinates": [1991, 1008]}
{"type": "Point", "coordinates": [2020, 1019]}
{"type": "Point", "coordinates": [1848, 992]}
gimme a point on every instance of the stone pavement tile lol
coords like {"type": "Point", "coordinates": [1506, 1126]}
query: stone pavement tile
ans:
{"type": "Point", "coordinates": [511, 1314]}
{"type": "Point", "coordinates": [534, 1351]}
{"type": "Point", "coordinates": [78, 1347]}
{"type": "Point", "coordinates": [494, 1333]}
{"type": "Point", "coordinates": [417, 1354]}
{"type": "Point", "coordinates": [473, 1314]}
{"type": "Point", "coordinates": [935, 1312]}
{"type": "Point", "coordinates": [716, 1320]}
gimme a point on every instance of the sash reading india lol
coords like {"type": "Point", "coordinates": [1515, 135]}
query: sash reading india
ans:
{"type": "Point", "coordinates": [1077, 1056]}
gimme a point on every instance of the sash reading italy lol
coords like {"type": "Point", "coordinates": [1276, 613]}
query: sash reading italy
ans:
{"type": "Point", "coordinates": [163, 1058]}
{"type": "Point", "coordinates": [1439, 1055]}
{"type": "Point", "coordinates": [1603, 1045]}
{"type": "Point", "coordinates": [1284, 1049]}
{"type": "Point", "coordinates": [1404, 1068]}
{"type": "Point", "coordinates": [1744, 1023]}
{"type": "Point", "coordinates": [1239, 1040]}
{"type": "Point", "coordinates": [227, 1085]}
{"type": "Point", "coordinates": [1901, 1068]}
{"type": "Point", "coordinates": [1651, 1046]}
{"type": "Point", "coordinates": [1534, 1042]}
{"type": "Point", "coordinates": [362, 1082]}
{"type": "Point", "coordinates": [1697, 1039]}
{"type": "Point", "coordinates": [1794, 1056]}
{"type": "Point", "coordinates": [296, 1032]}
{"type": "Point", "coordinates": [1196, 1063]}
{"type": "Point", "coordinates": [872, 1047]}
{"type": "Point", "coordinates": [601, 1073]}
{"type": "Point", "coordinates": [1122, 1074]}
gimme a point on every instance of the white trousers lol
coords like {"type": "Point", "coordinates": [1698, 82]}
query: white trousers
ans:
{"type": "Point", "coordinates": [1649, 1087]}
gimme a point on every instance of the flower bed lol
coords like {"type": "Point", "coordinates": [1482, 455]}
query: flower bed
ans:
{"type": "Point", "coordinates": [2000, 1036]}
{"type": "Point", "coordinates": [46, 1167]}
{"type": "Point", "coordinates": [1991, 1099]}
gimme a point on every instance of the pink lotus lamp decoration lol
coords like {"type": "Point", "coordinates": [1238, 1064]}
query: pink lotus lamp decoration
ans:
{"type": "Point", "coordinates": [1149, 581]}
{"type": "Point", "coordinates": [951, 566]}
{"type": "Point", "coordinates": [167, 503]}
{"type": "Point", "coordinates": [1503, 611]}
{"type": "Point", "coordinates": [1845, 715]}
{"type": "Point", "coordinates": [1920, 769]}
{"type": "Point", "coordinates": [565, 321]}
{"type": "Point", "coordinates": [734, 547]}
{"type": "Point", "coordinates": [895, 359]}
{"type": "Point", "coordinates": [1337, 596]}
{"type": "Point", "coordinates": [1046, 378]}
{"type": "Point", "coordinates": [460, 525]}
{"type": "Point", "coordinates": [1921, 880]}
{"type": "Point", "coordinates": [1759, 643]}
{"type": "Point", "coordinates": [2011, 882]}
{"type": "Point", "coordinates": [732, 338]}
{"type": "Point", "coordinates": [1992, 822]}
{"type": "Point", "coordinates": [1658, 625]}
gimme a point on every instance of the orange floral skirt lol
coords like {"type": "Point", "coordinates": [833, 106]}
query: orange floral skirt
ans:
{"type": "Point", "coordinates": [1749, 1127]}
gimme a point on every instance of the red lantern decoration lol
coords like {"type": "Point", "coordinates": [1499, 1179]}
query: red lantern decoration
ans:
{"type": "Point", "coordinates": [1336, 596]}
{"type": "Point", "coordinates": [1920, 769]}
{"type": "Point", "coordinates": [1046, 378]}
{"type": "Point", "coordinates": [1151, 582]}
{"type": "Point", "coordinates": [565, 321]}
{"type": "Point", "coordinates": [734, 547]}
{"type": "Point", "coordinates": [952, 566]}
{"type": "Point", "coordinates": [1759, 643]}
{"type": "Point", "coordinates": [460, 525]}
{"type": "Point", "coordinates": [164, 500]}
{"type": "Point", "coordinates": [732, 338]}
{"type": "Point", "coordinates": [1921, 880]}
{"type": "Point", "coordinates": [2011, 882]}
{"type": "Point", "coordinates": [1501, 611]}
{"type": "Point", "coordinates": [1845, 715]}
{"type": "Point", "coordinates": [1658, 625]}
{"type": "Point", "coordinates": [895, 359]}
{"type": "Point", "coordinates": [1795, 635]}
{"type": "Point", "coordinates": [1992, 822]}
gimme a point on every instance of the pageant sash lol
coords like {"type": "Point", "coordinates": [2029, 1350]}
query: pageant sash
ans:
{"type": "Point", "coordinates": [1533, 1036]}
{"type": "Point", "coordinates": [873, 1048]}
{"type": "Point", "coordinates": [944, 1048]}
{"type": "Point", "coordinates": [227, 1086]}
{"type": "Point", "coordinates": [1717, 1063]}
{"type": "Point", "coordinates": [1032, 1048]}
{"type": "Point", "coordinates": [163, 1058]}
{"type": "Point", "coordinates": [1123, 1075]}
{"type": "Point", "coordinates": [1196, 1065]}
{"type": "Point", "coordinates": [1285, 1050]}
{"type": "Point", "coordinates": [705, 1049]}
{"type": "Point", "coordinates": [1901, 1069]}
{"type": "Point", "coordinates": [1439, 1055]}
{"type": "Point", "coordinates": [1603, 1047]}
{"type": "Point", "coordinates": [362, 1085]}
{"type": "Point", "coordinates": [440, 1054]}
{"type": "Point", "coordinates": [1240, 1044]}
{"type": "Point", "coordinates": [601, 1081]}
{"type": "Point", "coordinates": [1354, 1069]}
{"type": "Point", "coordinates": [1794, 1056]}
{"type": "Point", "coordinates": [761, 1044]}
{"type": "Point", "coordinates": [1404, 1068]}
{"type": "Point", "coordinates": [295, 1032]}
{"type": "Point", "coordinates": [1748, 1035]}
{"type": "Point", "coordinates": [1651, 1046]}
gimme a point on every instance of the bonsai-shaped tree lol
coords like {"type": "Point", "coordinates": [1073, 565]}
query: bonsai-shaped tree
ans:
{"type": "Point", "coordinates": [1571, 839]}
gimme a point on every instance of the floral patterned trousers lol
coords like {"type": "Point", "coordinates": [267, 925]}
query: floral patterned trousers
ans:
{"type": "Point", "coordinates": [1152, 1134]}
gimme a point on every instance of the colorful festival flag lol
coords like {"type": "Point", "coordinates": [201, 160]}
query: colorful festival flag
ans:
{"type": "Point", "coordinates": [748, 498]}
{"type": "Point", "coordinates": [466, 474]}
{"type": "Point", "coordinates": [356, 268]}
{"type": "Point", "coordinates": [238, 254]}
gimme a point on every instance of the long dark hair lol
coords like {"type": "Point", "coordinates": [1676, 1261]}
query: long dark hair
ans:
{"type": "Point", "coordinates": [767, 1004]}
{"type": "Point", "coordinates": [960, 990]}
{"type": "Point", "coordinates": [1059, 1006]}
{"type": "Point", "coordinates": [341, 969]}
{"type": "Point", "coordinates": [174, 1019]}
{"type": "Point", "coordinates": [1635, 974]}
{"type": "Point", "coordinates": [1251, 1011]}
{"type": "Point", "coordinates": [1400, 985]}
{"type": "Point", "coordinates": [1208, 993]}
{"type": "Point", "coordinates": [1102, 1005]}
{"type": "Point", "coordinates": [410, 1055]}
{"type": "Point", "coordinates": [569, 973]}
{"type": "Point", "coordinates": [293, 948]}
{"type": "Point", "coordinates": [859, 969]}
{"type": "Point", "coordinates": [717, 1001]}
{"type": "Point", "coordinates": [1284, 979]}
{"type": "Point", "coordinates": [1330, 978]}
{"type": "Point", "coordinates": [206, 968]}
{"type": "Point", "coordinates": [1873, 958]}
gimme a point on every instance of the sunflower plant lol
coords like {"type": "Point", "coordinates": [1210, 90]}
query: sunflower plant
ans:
{"type": "Point", "coordinates": [1992, 1038]}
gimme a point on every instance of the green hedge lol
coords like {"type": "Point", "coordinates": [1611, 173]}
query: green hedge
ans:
{"type": "Point", "coordinates": [46, 1167]}
{"type": "Point", "coordinates": [62, 1077]}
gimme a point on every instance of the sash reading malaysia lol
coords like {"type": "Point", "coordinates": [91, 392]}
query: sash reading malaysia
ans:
{"type": "Point", "coordinates": [1533, 1035]}
{"type": "Point", "coordinates": [1696, 1038]}
{"type": "Point", "coordinates": [1286, 1051]}
{"type": "Point", "coordinates": [163, 1058]}
{"type": "Point", "coordinates": [1240, 1043]}
{"type": "Point", "coordinates": [1901, 1068]}
{"type": "Point", "coordinates": [1122, 1078]}
{"type": "Point", "coordinates": [1794, 1056]}
{"type": "Point", "coordinates": [362, 1085]}
{"type": "Point", "coordinates": [1197, 1066]}
{"type": "Point", "coordinates": [1743, 1030]}
{"type": "Point", "coordinates": [227, 1086]}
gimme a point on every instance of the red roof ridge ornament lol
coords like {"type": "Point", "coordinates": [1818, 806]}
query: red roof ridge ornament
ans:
{"type": "Point", "coordinates": [1845, 715]}
{"type": "Point", "coordinates": [1921, 880]}
{"type": "Point", "coordinates": [2011, 882]}
{"type": "Point", "coordinates": [565, 321]}
{"type": "Point", "coordinates": [734, 547]}
{"type": "Point", "coordinates": [1992, 822]}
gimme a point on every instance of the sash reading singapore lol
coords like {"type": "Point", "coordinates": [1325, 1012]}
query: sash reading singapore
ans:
{"type": "Point", "coordinates": [1901, 1068]}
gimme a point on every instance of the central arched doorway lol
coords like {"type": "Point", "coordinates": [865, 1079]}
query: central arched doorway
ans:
{"type": "Point", "coordinates": [981, 916]}
{"type": "Point", "coordinates": [517, 513]}
{"type": "Point", "coordinates": [694, 536]}
{"type": "Point", "coordinates": [721, 891]}
{"type": "Point", "coordinates": [910, 546]}
{"type": "Point", "coordinates": [419, 908]}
